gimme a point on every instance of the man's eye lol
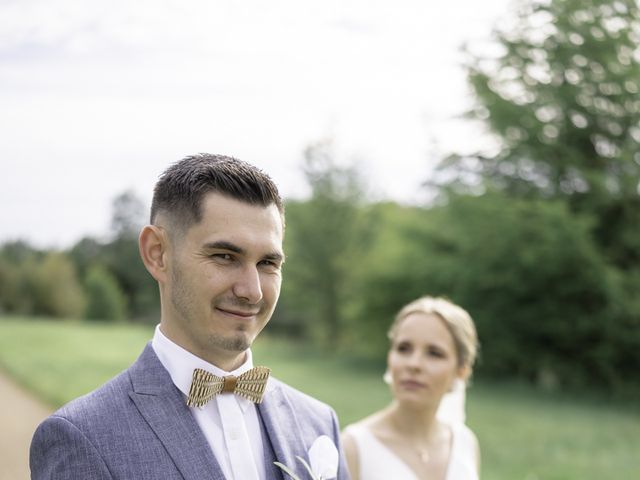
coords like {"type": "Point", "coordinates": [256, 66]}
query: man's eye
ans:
{"type": "Point", "coordinates": [403, 347]}
{"type": "Point", "coordinates": [270, 264]}
{"type": "Point", "coordinates": [225, 257]}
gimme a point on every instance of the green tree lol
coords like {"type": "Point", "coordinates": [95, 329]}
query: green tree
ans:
{"type": "Point", "coordinates": [56, 288]}
{"type": "Point", "coordinates": [9, 286]}
{"type": "Point", "coordinates": [323, 241]}
{"type": "Point", "coordinates": [105, 299]}
{"type": "Point", "coordinates": [563, 100]}
{"type": "Point", "coordinates": [86, 252]}
{"type": "Point", "coordinates": [121, 257]}
{"type": "Point", "coordinates": [382, 280]}
{"type": "Point", "coordinates": [18, 266]}
{"type": "Point", "coordinates": [527, 271]}
{"type": "Point", "coordinates": [128, 215]}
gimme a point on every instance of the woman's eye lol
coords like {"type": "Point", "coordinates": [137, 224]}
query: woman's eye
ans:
{"type": "Point", "coordinates": [434, 352]}
{"type": "Point", "coordinates": [403, 347]}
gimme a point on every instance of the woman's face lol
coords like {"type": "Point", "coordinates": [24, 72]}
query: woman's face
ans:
{"type": "Point", "coordinates": [422, 360]}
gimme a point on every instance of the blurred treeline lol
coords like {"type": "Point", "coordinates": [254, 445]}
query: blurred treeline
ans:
{"type": "Point", "coordinates": [538, 237]}
{"type": "Point", "coordinates": [96, 279]}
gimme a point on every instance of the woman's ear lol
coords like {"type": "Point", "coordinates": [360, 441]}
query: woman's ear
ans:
{"type": "Point", "coordinates": [464, 373]}
{"type": "Point", "coordinates": [153, 245]}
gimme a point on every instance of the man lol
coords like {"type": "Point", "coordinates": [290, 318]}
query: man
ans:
{"type": "Point", "coordinates": [185, 409]}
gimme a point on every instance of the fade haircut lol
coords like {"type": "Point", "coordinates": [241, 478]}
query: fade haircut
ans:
{"type": "Point", "coordinates": [181, 188]}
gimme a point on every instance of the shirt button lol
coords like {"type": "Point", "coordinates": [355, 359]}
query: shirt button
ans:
{"type": "Point", "coordinates": [233, 434]}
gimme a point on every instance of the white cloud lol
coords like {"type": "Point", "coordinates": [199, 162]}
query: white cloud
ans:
{"type": "Point", "coordinates": [100, 96]}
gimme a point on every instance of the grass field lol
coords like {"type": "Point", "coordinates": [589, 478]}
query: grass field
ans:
{"type": "Point", "coordinates": [524, 434]}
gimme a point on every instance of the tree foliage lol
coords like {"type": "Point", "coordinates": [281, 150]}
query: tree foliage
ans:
{"type": "Point", "coordinates": [55, 287]}
{"type": "Point", "coordinates": [15, 279]}
{"type": "Point", "coordinates": [128, 215]}
{"type": "Point", "coordinates": [105, 298]}
{"type": "Point", "coordinates": [562, 99]}
{"type": "Point", "coordinates": [119, 257]}
{"type": "Point", "coordinates": [39, 283]}
{"type": "Point", "coordinates": [122, 258]}
{"type": "Point", "coordinates": [528, 272]}
{"type": "Point", "coordinates": [116, 284]}
{"type": "Point", "coordinates": [324, 238]}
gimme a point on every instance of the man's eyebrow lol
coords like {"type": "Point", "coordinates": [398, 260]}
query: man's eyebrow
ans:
{"type": "Point", "coordinates": [275, 256]}
{"type": "Point", "coordinates": [223, 245]}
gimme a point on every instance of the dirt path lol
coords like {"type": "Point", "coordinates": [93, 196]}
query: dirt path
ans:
{"type": "Point", "coordinates": [20, 414]}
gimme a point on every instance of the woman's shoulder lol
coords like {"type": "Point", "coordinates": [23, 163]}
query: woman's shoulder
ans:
{"type": "Point", "coordinates": [465, 434]}
{"type": "Point", "coordinates": [370, 424]}
{"type": "Point", "coordinates": [466, 448]}
{"type": "Point", "coordinates": [355, 438]}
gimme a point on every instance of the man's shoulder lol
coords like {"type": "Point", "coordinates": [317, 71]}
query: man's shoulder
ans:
{"type": "Point", "coordinates": [114, 395]}
{"type": "Point", "coordinates": [111, 396]}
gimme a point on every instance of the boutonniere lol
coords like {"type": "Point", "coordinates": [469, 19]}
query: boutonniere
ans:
{"type": "Point", "coordinates": [323, 461]}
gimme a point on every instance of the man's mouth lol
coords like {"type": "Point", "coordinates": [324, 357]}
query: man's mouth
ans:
{"type": "Point", "coordinates": [238, 313]}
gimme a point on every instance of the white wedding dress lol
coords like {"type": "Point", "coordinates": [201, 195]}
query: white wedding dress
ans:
{"type": "Point", "coordinates": [377, 462]}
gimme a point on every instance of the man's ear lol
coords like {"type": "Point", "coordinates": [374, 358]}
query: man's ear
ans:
{"type": "Point", "coordinates": [153, 244]}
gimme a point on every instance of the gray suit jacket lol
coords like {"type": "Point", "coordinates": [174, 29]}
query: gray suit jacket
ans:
{"type": "Point", "coordinates": [138, 427]}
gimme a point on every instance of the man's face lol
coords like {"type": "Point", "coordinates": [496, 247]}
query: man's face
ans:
{"type": "Point", "coordinates": [224, 279]}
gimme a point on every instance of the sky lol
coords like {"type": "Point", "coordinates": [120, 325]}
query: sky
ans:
{"type": "Point", "coordinates": [97, 98]}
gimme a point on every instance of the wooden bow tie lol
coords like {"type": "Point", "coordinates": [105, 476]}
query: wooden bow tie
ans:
{"type": "Point", "coordinates": [205, 385]}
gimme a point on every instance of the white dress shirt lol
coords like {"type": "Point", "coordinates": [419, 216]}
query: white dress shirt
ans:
{"type": "Point", "coordinates": [230, 423]}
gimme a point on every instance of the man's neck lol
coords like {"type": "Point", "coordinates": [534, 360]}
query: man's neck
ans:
{"type": "Point", "coordinates": [228, 363]}
{"type": "Point", "coordinates": [223, 359]}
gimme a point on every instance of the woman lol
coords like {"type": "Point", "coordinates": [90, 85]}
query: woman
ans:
{"type": "Point", "coordinates": [433, 348]}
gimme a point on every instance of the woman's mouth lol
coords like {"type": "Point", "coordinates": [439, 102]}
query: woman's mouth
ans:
{"type": "Point", "coordinates": [412, 384]}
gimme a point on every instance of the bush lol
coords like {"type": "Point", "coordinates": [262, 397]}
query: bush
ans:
{"type": "Point", "coordinates": [106, 300]}
{"type": "Point", "coordinates": [56, 290]}
{"type": "Point", "coordinates": [529, 273]}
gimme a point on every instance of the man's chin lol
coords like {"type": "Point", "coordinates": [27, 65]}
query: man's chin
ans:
{"type": "Point", "coordinates": [235, 343]}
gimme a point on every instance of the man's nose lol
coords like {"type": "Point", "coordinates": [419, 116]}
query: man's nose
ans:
{"type": "Point", "coordinates": [247, 286]}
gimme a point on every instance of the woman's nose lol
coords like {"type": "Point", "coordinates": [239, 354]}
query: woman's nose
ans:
{"type": "Point", "coordinates": [415, 361]}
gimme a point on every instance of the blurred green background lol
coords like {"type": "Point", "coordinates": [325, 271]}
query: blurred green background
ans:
{"type": "Point", "coordinates": [538, 237]}
{"type": "Point", "coordinates": [524, 433]}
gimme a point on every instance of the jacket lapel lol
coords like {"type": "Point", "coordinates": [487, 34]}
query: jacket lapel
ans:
{"type": "Point", "coordinates": [282, 428]}
{"type": "Point", "coordinates": [163, 407]}
{"type": "Point", "coordinates": [273, 472]}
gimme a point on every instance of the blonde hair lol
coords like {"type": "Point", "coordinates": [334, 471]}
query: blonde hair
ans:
{"type": "Point", "coordinates": [455, 318]}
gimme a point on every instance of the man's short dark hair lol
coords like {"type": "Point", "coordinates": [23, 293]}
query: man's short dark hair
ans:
{"type": "Point", "coordinates": [181, 188]}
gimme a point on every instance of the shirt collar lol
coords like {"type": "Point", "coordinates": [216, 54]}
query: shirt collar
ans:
{"type": "Point", "coordinates": [181, 363]}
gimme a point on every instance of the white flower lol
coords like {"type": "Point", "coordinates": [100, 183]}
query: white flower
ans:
{"type": "Point", "coordinates": [323, 456]}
